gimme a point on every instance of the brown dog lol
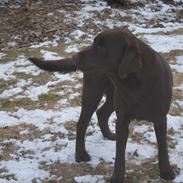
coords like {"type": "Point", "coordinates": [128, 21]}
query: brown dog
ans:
{"type": "Point", "coordinates": [142, 83]}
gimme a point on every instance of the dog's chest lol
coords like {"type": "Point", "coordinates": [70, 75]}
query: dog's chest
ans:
{"type": "Point", "coordinates": [144, 102]}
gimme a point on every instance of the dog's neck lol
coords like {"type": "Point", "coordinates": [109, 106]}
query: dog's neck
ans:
{"type": "Point", "coordinates": [120, 85]}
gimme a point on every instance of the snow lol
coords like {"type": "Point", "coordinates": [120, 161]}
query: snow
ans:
{"type": "Point", "coordinates": [105, 148]}
{"type": "Point", "coordinates": [26, 167]}
{"type": "Point", "coordinates": [48, 55]}
{"type": "Point", "coordinates": [71, 49]}
{"type": "Point", "coordinates": [33, 92]}
{"type": "Point", "coordinates": [47, 43]}
{"type": "Point", "coordinates": [165, 43]}
{"type": "Point", "coordinates": [21, 64]}
{"type": "Point", "coordinates": [141, 129]}
{"type": "Point", "coordinates": [178, 67]}
{"type": "Point", "coordinates": [77, 34]}
{"type": "Point", "coordinates": [7, 120]}
{"type": "Point", "coordinates": [175, 122]}
{"type": "Point", "coordinates": [2, 55]}
{"type": "Point", "coordinates": [15, 89]}
{"type": "Point", "coordinates": [179, 59]}
{"type": "Point", "coordinates": [89, 179]}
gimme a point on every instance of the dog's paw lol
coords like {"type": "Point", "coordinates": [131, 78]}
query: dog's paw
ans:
{"type": "Point", "coordinates": [84, 156]}
{"type": "Point", "coordinates": [116, 180]}
{"type": "Point", "coordinates": [167, 175]}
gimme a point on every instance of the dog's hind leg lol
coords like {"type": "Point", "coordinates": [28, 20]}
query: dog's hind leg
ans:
{"type": "Point", "coordinates": [104, 113]}
{"type": "Point", "coordinates": [93, 91]}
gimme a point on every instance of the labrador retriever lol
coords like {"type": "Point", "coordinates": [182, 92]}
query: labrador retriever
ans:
{"type": "Point", "coordinates": [138, 83]}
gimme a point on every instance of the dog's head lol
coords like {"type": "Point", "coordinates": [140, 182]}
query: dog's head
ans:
{"type": "Point", "coordinates": [112, 50]}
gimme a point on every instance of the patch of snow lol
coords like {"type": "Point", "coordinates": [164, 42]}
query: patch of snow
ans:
{"type": "Point", "coordinates": [77, 34]}
{"type": "Point", "coordinates": [174, 122]}
{"type": "Point", "coordinates": [7, 120]}
{"type": "Point", "coordinates": [165, 43]}
{"type": "Point", "coordinates": [2, 55]}
{"type": "Point", "coordinates": [62, 77]}
{"type": "Point", "coordinates": [144, 151]}
{"type": "Point", "coordinates": [74, 95]}
{"type": "Point", "coordinates": [25, 170]}
{"type": "Point", "coordinates": [168, 27]}
{"type": "Point", "coordinates": [24, 132]}
{"type": "Point", "coordinates": [50, 14]}
{"type": "Point", "coordinates": [150, 136]}
{"type": "Point", "coordinates": [39, 118]}
{"type": "Point", "coordinates": [145, 130]}
{"type": "Point", "coordinates": [72, 48]}
{"type": "Point", "coordinates": [180, 103]}
{"type": "Point", "coordinates": [52, 43]}
{"type": "Point", "coordinates": [141, 129]}
{"type": "Point", "coordinates": [21, 64]}
{"type": "Point", "coordinates": [179, 87]}
{"type": "Point", "coordinates": [135, 1]}
{"type": "Point", "coordinates": [7, 181]}
{"type": "Point", "coordinates": [48, 55]}
{"type": "Point", "coordinates": [27, 167]}
{"type": "Point", "coordinates": [97, 6]}
{"type": "Point", "coordinates": [90, 179]}
{"type": "Point", "coordinates": [34, 92]}
{"type": "Point", "coordinates": [179, 59]}
{"type": "Point", "coordinates": [15, 89]}
{"type": "Point", "coordinates": [177, 67]}
{"type": "Point", "coordinates": [6, 71]}
{"type": "Point", "coordinates": [178, 1]}
{"type": "Point", "coordinates": [10, 92]}
{"type": "Point", "coordinates": [12, 44]}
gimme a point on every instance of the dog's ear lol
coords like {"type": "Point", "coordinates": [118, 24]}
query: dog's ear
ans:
{"type": "Point", "coordinates": [131, 60]}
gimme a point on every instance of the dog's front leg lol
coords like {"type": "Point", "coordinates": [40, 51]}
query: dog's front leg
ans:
{"type": "Point", "coordinates": [122, 125]}
{"type": "Point", "coordinates": [92, 95]}
{"type": "Point", "coordinates": [166, 171]}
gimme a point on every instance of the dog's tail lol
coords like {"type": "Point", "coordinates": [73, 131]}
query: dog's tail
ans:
{"type": "Point", "coordinates": [63, 65]}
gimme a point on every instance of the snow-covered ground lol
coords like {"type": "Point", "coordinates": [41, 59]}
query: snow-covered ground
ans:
{"type": "Point", "coordinates": [36, 136]}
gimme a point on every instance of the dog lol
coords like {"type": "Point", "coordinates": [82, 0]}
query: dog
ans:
{"type": "Point", "coordinates": [138, 84]}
